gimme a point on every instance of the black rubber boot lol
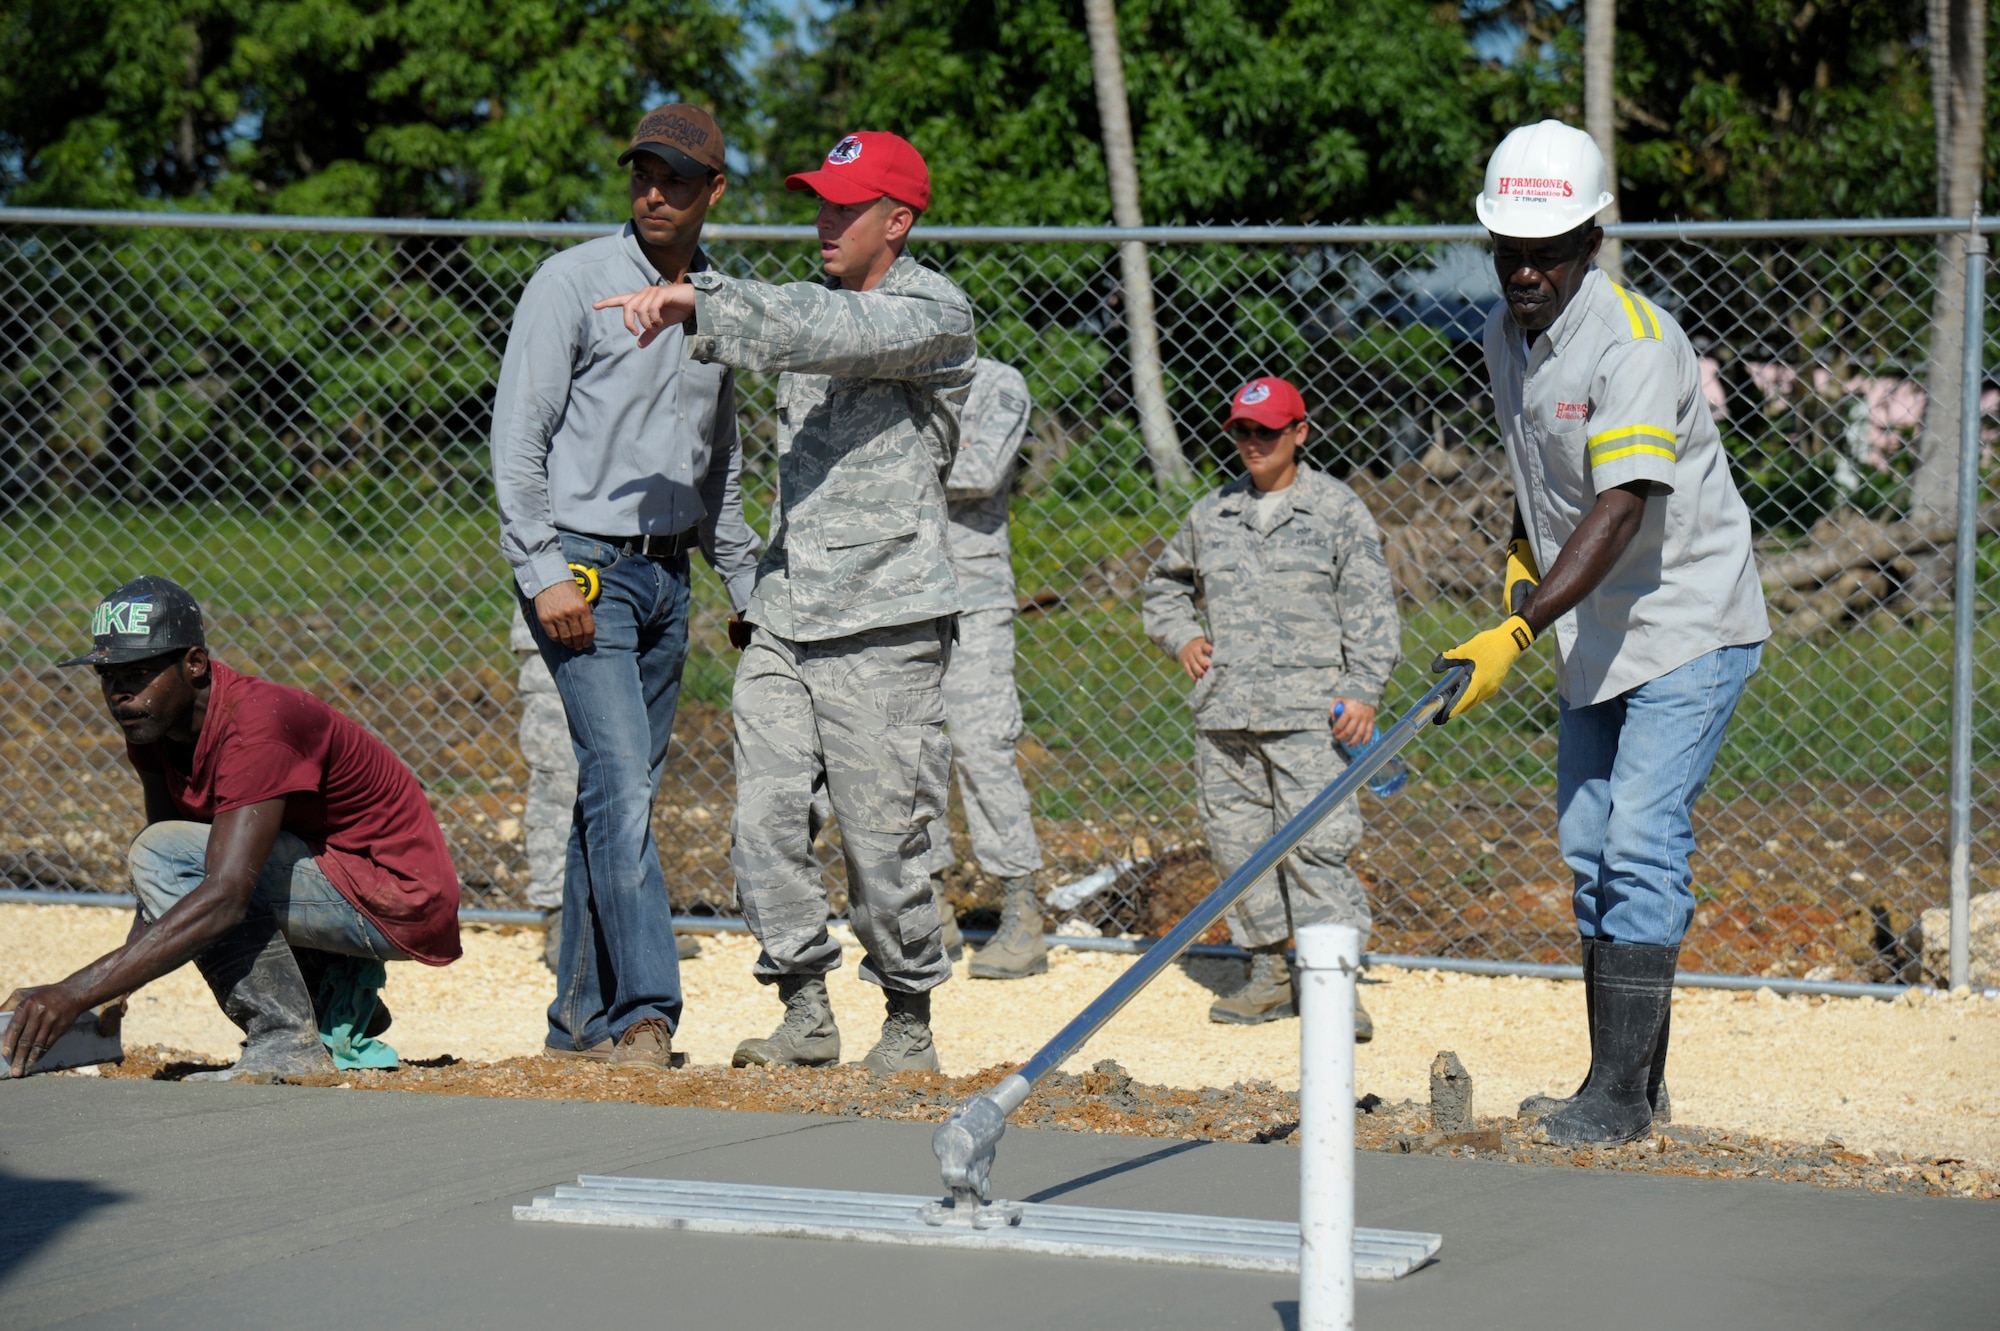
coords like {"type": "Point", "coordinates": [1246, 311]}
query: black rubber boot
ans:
{"type": "Point", "coordinates": [1633, 984]}
{"type": "Point", "coordinates": [254, 976]}
{"type": "Point", "coordinates": [1540, 1106]}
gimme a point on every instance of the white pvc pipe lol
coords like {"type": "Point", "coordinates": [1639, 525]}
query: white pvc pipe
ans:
{"type": "Point", "coordinates": [1329, 955]}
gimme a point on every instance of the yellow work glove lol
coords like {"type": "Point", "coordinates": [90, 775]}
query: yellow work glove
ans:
{"type": "Point", "coordinates": [1492, 654]}
{"type": "Point", "coordinates": [1521, 578]}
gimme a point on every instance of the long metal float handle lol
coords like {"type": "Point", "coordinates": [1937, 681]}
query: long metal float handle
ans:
{"type": "Point", "coordinates": [966, 1141]}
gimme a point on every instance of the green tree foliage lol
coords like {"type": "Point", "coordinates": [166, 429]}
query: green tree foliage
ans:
{"type": "Point", "coordinates": [1745, 108]}
{"type": "Point", "coordinates": [435, 108]}
{"type": "Point", "coordinates": [1259, 110]}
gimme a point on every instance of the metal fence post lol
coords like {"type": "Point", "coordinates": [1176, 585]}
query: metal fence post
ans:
{"type": "Point", "coordinates": [1329, 957]}
{"type": "Point", "coordinates": [1964, 604]}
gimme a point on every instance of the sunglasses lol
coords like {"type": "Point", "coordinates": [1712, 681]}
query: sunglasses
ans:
{"type": "Point", "coordinates": [1245, 431]}
{"type": "Point", "coordinates": [1544, 255]}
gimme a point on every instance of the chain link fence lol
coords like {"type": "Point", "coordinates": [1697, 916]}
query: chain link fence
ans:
{"type": "Point", "coordinates": [293, 424]}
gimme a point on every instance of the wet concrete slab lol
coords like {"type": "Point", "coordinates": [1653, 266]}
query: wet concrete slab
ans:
{"type": "Point", "coordinates": [144, 1204]}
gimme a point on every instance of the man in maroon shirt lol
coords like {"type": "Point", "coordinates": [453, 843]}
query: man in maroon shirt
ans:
{"type": "Point", "coordinates": [273, 822]}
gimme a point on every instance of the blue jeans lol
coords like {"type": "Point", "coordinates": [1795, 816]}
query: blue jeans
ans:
{"type": "Point", "coordinates": [170, 859]}
{"type": "Point", "coordinates": [1628, 771]}
{"type": "Point", "coordinates": [618, 963]}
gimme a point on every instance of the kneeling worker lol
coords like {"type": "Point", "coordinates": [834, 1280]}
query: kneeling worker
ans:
{"type": "Point", "coordinates": [1622, 492]}
{"type": "Point", "coordinates": [839, 696]}
{"type": "Point", "coordinates": [277, 831]}
{"type": "Point", "coordinates": [1275, 598]}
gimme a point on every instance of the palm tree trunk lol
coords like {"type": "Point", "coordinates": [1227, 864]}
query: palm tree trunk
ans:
{"type": "Point", "coordinates": [1149, 388]}
{"type": "Point", "coordinates": [1958, 64]}
{"type": "Point", "coordinates": [1600, 33]}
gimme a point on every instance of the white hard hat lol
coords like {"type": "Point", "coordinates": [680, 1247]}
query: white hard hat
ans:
{"type": "Point", "coordinates": [1543, 180]}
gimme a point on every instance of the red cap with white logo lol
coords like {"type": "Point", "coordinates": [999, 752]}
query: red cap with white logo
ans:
{"type": "Point", "coordinates": [1270, 402]}
{"type": "Point", "coordinates": [867, 166]}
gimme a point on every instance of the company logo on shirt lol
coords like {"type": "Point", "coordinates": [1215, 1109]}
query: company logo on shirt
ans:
{"type": "Point", "coordinates": [1572, 411]}
{"type": "Point", "coordinates": [845, 151]}
{"type": "Point", "coordinates": [1536, 187]}
{"type": "Point", "coordinates": [1254, 394]}
{"type": "Point", "coordinates": [121, 617]}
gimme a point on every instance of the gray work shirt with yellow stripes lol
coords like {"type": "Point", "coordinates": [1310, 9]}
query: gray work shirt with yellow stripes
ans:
{"type": "Point", "coordinates": [1608, 396]}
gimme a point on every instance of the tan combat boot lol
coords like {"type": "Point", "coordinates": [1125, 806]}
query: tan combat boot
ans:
{"type": "Point", "coordinates": [906, 1044]}
{"type": "Point", "coordinates": [954, 941]}
{"type": "Point", "coordinates": [1267, 996]}
{"type": "Point", "coordinates": [1017, 950]}
{"type": "Point", "coordinates": [646, 1043]}
{"type": "Point", "coordinates": [806, 1038]}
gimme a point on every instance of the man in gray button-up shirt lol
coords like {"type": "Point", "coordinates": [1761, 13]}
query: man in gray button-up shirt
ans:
{"type": "Point", "coordinates": [609, 465]}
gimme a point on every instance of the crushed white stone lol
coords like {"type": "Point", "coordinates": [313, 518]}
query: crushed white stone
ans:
{"type": "Point", "coordinates": [1921, 1077]}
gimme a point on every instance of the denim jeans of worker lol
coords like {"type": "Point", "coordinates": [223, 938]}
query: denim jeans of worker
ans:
{"type": "Point", "coordinates": [169, 860]}
{"type": "Point", "coordinates": [618, 965]}
{"type": "Point", "coordinates": [1628, 771]}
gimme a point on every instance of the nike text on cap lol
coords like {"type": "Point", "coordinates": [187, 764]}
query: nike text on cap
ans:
{"type": "Point", "coordinates": [146, 617]}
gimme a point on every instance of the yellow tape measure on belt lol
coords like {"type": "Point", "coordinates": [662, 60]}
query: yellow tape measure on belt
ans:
{"type": "Point", "coordinates": [586, 582]}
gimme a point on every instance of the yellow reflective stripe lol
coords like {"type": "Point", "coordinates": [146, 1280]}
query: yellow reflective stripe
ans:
{"type": "Point", "coordinates": [1602, 459]}
{"type": "Point", "coordinates": [1632, 313]}
{"type": "Point", "coordinates": [1629, 432]}
{"type": "Point", "coordinates": [1638, 329]}
{"type": "Point", "coordinates": [1651, 317]}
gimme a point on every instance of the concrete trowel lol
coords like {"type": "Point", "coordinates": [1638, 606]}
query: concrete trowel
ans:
{"type": "Point", "coordinates": [82, 1045]}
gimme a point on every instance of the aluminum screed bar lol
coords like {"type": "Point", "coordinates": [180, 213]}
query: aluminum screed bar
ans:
{"type": "Point", "coordinates": [965, 1143]}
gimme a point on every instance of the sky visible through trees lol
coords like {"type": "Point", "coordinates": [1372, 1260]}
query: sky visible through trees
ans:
{"type": "Point", "coordinates": [1243, 110]}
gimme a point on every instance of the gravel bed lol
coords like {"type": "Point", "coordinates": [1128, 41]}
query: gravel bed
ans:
{"type": "Point", "coordinates": [1107, 1100]}
{"type": "Point", "coordinates": [1903, 1085]}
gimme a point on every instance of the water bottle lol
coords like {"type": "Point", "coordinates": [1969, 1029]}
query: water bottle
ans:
{"type": "Point", "coordinates": [1391, 777]}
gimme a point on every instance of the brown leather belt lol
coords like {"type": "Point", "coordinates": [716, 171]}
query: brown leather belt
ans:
{"type": "Point", "coordinates": [653, 547]}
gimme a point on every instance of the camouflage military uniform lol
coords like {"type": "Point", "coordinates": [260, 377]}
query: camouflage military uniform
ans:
{"type": "Point", "coordinates": [552, 769]}
{"type": "Point", "coordinates": [980, 700]}
{"type": "Point", "coordinates": [1297, 601]}
{"type": "Point", "coordinates": [840, 690]}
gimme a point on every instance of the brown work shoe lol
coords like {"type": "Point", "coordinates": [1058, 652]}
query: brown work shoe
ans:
{"type": "Point", "coordinates": [647, 1042]}
{"type": "Point", "coordinates": [597, 1053]}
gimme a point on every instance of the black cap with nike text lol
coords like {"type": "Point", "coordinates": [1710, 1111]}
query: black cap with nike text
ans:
{"type": "Point", "coordinates": [146, 617]}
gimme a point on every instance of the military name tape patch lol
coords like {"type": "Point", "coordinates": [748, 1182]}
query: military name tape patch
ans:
{"type": "Point", "coordinates": [1254, 394]}
{"type": "Point", "coordinates": [121, 617]}
{"type": "Point", "coordinates": [844, 152]}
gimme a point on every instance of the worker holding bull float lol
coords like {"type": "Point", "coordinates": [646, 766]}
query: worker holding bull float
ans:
{"type": "Point", "coordinates": [287, 853]}
{"type": "Point", "coordinates": [839, 700]}
{"type": "Point", "coordinates": [1622, 492]}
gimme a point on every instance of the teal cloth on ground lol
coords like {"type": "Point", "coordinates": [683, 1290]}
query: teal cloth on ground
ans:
{"type": "Point", "coordinates": [347, 990]}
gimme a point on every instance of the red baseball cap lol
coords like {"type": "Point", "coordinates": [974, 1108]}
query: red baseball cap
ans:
{"type": "Point", "coordinates": [1270, 402]}
{"type": "Point", "coordinates": [868, 166]}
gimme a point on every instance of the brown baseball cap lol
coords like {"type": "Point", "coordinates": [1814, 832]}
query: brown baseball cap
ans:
{"type": "Point", "coordinates": [685, 137]}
